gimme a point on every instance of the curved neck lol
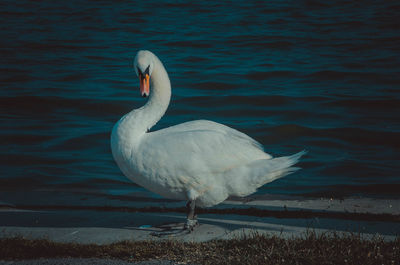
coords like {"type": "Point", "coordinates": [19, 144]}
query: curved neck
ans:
{"type": "Point", "coordinates": [141, 120]}
{"type": "Point", "coordinates": [160, 95]}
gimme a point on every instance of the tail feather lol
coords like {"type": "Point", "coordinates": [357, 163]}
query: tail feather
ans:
{"type": "Point", "coordinates": [247, 179]}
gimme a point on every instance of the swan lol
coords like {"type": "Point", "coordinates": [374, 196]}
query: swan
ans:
{"type": "Point", "coordinates": [201, 161]}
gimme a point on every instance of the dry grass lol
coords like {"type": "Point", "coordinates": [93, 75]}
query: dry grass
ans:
{"type": "Point", "coordinates": [258, 249]}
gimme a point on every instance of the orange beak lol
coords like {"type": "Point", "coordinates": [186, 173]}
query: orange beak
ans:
{"type": "Point", "coordinates": [144, 85]}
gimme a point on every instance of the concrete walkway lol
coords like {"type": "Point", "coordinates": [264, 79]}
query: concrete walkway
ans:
{"type": "Point", "coordinates": [104, 227]}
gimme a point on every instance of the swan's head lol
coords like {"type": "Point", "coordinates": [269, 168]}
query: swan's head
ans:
{"type": "Point", "coordinates": [144, 65]}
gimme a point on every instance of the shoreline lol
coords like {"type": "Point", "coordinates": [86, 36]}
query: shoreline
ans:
{"type": "Point", "coordinates": [252, 210]}
{"type": "Point", "coordinates": [80, 232]}
{"type": "Point", "coordinates": [286, 217]}
{"type": "Point", "coordinates": [66, 198]}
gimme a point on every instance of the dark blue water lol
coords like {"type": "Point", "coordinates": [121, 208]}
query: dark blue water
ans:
{"type": "Point", "coordinates": [294, 75]}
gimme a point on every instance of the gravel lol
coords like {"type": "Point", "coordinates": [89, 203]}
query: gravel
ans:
{"type": "Point", "coordinates": [78, 261]}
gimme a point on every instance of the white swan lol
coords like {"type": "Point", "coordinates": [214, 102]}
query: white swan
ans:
{"type": "Point", "coordinates": [200, 161]}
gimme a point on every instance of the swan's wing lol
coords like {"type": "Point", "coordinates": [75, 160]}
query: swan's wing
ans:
{"type": "Point", "coordinates": [189, 151]}
{"type": "Point", "coordinates": [213, 126]}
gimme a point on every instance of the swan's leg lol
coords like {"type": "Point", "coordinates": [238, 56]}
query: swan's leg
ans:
{"type": "Point", "coordinates": [189, 226]}
{"type": "Point", "coordinates": [191, 221]}
{"type": "Point", "coordinates": [190, 206]}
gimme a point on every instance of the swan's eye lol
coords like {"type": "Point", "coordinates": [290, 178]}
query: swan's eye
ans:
{"type": "Point", "coordinates": [147, 71]}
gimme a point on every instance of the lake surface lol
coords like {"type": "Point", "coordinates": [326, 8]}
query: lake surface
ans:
{"type": "Point", "coordinates": [293, 75]}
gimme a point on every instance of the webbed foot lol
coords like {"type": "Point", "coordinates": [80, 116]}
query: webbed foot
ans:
{"type": "Point", "coordinates": [190, 225]}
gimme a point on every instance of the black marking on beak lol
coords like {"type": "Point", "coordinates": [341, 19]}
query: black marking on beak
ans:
{"type": "Point", "coordinates": [147, 71]}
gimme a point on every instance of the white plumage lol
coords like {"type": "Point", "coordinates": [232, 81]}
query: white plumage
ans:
{"type": "Point", "coordinates": [200, 160]}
